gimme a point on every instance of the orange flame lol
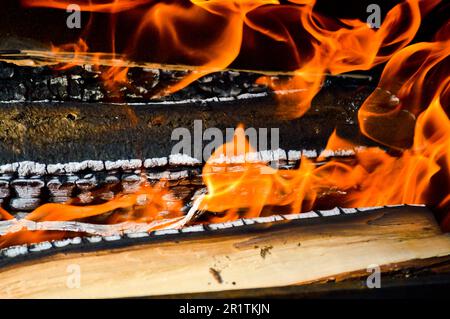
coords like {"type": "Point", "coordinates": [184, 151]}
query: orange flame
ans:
{"type": "Point", "coordinates": [407, 112]}
{"type": "Point", "coordinates": [339, 46]}
{"type": "Point", "coordinates": [148, 204]}
{"type": "Point", "coordinates": [252, 186]}
{"type": "Point", "coordinates": [373, 178]}
{"type": "Point", "coordinates": [209, 35]}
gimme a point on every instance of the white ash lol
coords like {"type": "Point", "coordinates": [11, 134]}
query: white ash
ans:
{"type": "Point", "coordinates": [309, 153]}
{"type": "Point", "coordinates": [344, 152]}
{"type": "Point", "coordinates": [9, 168]}
{"type": "Point", "coordinates": [327, 153]}
{"type": "Point", "coordinates": [137, 235]}
{"type": "Point", "coordinates": [301, 216]}
{"type": "Point", "coordinates": [220, 159]}
{"type": "Point", "coordinates": [74, 167]}
{"type": "Point", "coordinates": [251, 95]}
{"type": "Point", "coordinates": [337, 153]}
{"type": "Point", "coordinates": [65, 242]}
{"type": "Point", "coordinates": [94, 239]}
{"type": "Point", "coordinates": [14, 225]}
{"type": "Point", "coordinates": [6, 225]}
{"type": "Point", "coordinates": [294, 155]}
{"type": "Point", "coordinates": [268, 219]}
{"type": "Point", "coordinates": [193, 229]}
{"type": "Point", "coordinates": [25, 204]}
{"type": "Point", "coordinates": [330, 212]}
{"type": "Point", "coordinates": [40, 246]}
{"type": "Point", "coordinates": [363, 209]}
{"type": "Point", "coordinates": [197, 101]}
{"type": "Point", "coordinates": [112, 179]}
{"type": "Point", "coordinates": [96, 166]}
{"type": "Point", "coordinates": [226, 225]}
{"type": "Point", "coordinates": [310, 214]}
{"type": "Point", "coordinates": [166, 232]}
{"type": "Point", "coordinates": [182, 159]}
{"type": "Point", "coordinates": [112, 238]}
{"type": "Point", "coordinates": [124, 164]}
{"type": "Point", "coordinates": [275, 155]}
{"type": "Point", "coordinates": [27, 168]}
{"type": "Point", "coordinates": [251, 157]}
{"type": "Point", "coordinates": [94, 229]}
{"type": "Point", "coordinates": [15, 251]}
{"type": "Point", "coordinates": [56, 168]}
{"type": "Point", "coordinates": [349, 210]}
{"type": "Point", "coordinates": [168, 175]}
{"type": "Point", "coordinates": [155, 162]}
{"type": "Point", "coordinates": [112, 165]}
{"type": "Point", "coordinates": [68, 241]}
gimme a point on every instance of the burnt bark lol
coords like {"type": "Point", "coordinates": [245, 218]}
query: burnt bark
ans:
{"type": "Point", "coordinates": [90, 84]}
{"type": "Point", "coordinates": [52, 120]}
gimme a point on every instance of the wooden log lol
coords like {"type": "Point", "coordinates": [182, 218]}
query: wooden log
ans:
{"type": "Point", "coordinates": [291, 253]}
{"type": "Point", "coordinates": [52, 115]}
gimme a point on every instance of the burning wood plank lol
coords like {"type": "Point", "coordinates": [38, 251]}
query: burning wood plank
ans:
{"type": "Point", "coordinates": [55, 120]}
{"type": "Point", "coordinates": [26, 185]}
{"type": "Point", "coordinates": [244, 254]}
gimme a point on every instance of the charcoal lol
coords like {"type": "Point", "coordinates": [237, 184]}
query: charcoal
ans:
{"type": "Point", "coordinates": [77, 127]}
{"type": "Point", "coordinates": [87, 182]}
{"type": "Point", "coordinates": [25, 204]}
{"type": "Point", "coordinates": [58, 86]}
{"type": "Point", "coordinates": [61, 187]}
{"type": "Point", "coordinates": [38, 89]}
{"type": "Point", "coordinates": [182, 192]}
{"type": "Point", "coordinates": [75, 87]}
{"type": "Point", "coordinates": [6, 72]}
{"type": "Point", "coordinates": [12, 90]}
{"type": "Point", "coordinates": [92, 93]}
{"type": "Point", "coordinates": [57, 83]}
{"type": "Point", "coordinates": [4, 188]}
{"type": "Point", "coordinates": [28, 188]}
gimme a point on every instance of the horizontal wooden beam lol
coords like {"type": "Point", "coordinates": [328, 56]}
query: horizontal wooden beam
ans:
{"type": "Point", "coordinates": [294, 252]}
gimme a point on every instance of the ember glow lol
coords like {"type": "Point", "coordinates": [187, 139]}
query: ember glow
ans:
{"type": "Point", "coordinates": [407, 112]}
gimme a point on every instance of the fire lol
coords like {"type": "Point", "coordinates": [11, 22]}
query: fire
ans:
{"type": "Point", "coordinates": [246, 189]}
{"type": "Point", "coordinates": [408, 112]}
{"type": "Point", "coordinates": [211, 35]}
{"type": "Point", "coordinates": [339, 46]}
{"type": "Point", "coordinates": [374, 178]}
{"type": "Point", "coordinates": [147, 205]}
{"type": "Point", "coordinates": [419, 175]}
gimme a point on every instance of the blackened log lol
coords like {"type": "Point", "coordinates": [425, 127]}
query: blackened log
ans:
{"type": "Point", "coordinates": [52, 132]}
{"type": "Point", "coordinates": [88, 84]}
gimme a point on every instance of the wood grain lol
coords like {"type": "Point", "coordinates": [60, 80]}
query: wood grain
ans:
{"type": "Point", "coordinates": [280, 255]}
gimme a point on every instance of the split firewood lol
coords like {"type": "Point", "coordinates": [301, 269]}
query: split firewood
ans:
{"type": "Point", "coordinates": [264, 252]}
